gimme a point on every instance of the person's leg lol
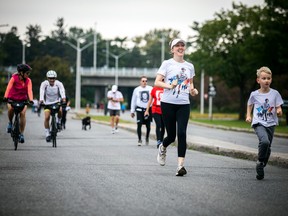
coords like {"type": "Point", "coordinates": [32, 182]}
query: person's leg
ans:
{"type": "Point", "coordinates": [46, 124]}
{"type": "Point", "coordinates": [140, 120]}
{"type": "Point", "coordinates": [23, 120]}
{"type": "Point", "coordinates": [169, 118]}
{"type": "Point", "coordinates": [264, 142]}
{"type": "Point", "coordinates": [270, 133]}
{"type": "Point", "coordinates": [162, 128]}
{"type": "Point", "coordinates": [263, 149]}
{"type": "Point", "coordinates": [182, 116]}
{"type": "Point", "coordinates": [10, 115]}
{"type": "Point", "coordinates": [157, 118]}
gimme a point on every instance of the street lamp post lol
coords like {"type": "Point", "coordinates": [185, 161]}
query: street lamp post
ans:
{"type": "Point", "coordinates": [78, 66]}
{"type": "Point", "coordinates": [116, 57]}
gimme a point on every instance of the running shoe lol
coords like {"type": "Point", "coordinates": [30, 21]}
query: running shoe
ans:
{"type": "Point", "coordinates": [21, 138]}
{"type": "Point", "coordinates": [139, 142]}
{"type": "Point", "coordinates": [48, 138]}
{"type": "Point", "coordinates": [147, 141]}
{"type": "Point", "coordinates": [9, 127]}
{"type": "Point", "coordinates": [181, 171]}
{"type": "Point", "coordinates": [260, 170]}
{"type": "Point", "coordinates": [161, 156]}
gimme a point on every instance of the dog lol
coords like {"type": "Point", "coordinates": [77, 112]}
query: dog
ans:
{"type": "Point", "coordinates": [86, 122]}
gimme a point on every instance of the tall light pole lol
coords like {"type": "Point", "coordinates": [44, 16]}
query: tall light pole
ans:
{"type": "Point", "coordinates": [162, 48]}
{"type": "Point", "coordinates": [78, 66]}
{"type": "Point", "coordinates": [116, 57]}
{"type": "Point", "coordinates": [23, 52]}
{"type": "Point", "coordinates": [95, 49]}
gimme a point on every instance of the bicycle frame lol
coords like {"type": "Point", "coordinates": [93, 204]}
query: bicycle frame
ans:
{"type": "Point", "coordinates": [15, 132]}
{"type": "Point", "coordinates": [54, 108]}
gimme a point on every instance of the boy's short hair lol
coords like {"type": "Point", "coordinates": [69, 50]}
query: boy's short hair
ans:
{"type": "Point", "coordinates": [263, 69]}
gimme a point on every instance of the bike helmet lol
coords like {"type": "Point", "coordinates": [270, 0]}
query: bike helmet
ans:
{"type": "Point", "coordinates": [23, 68]}
{"type": "Point", "coordinates": [51, 74]}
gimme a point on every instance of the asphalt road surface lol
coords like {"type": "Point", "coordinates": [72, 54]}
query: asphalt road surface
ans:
{"type": "Point", "coordinates": [95, 172]}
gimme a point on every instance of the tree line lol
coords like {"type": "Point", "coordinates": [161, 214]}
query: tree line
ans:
{"type": "Point", "coordinates": [230, 47]}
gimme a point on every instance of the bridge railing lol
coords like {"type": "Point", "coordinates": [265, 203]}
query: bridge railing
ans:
{"type": "Point", "coordinates": [122, 72]}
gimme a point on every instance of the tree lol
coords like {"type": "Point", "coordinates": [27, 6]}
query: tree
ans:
{"type": "Point", "coordinates": [233, 46]}
{"type": "Point", "coordinates": [10, 48]}
{"type": "Point", "coordinates": [43, 64]}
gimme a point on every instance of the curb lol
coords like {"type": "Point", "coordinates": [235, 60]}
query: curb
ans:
{"type": "Point", "coordinates": [275, 159]}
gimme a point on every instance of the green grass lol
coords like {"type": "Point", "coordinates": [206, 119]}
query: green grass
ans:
{"type": "Point", "coordinates": [229, 120]}
{"type": "Point", "coordinates": [233, 123]}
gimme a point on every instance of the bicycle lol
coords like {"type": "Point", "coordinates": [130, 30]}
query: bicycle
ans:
{"type": "Point", "coordinates": [54, 109]}
{"type": "Point", "coordinates": [15, 131]}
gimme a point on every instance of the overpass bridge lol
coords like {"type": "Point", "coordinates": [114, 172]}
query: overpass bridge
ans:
{"type": "Point", "coordinates": [102, 79]}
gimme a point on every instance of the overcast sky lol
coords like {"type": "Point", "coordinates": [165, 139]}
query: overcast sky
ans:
{"type": "Point", "coordinates": [112, 18]}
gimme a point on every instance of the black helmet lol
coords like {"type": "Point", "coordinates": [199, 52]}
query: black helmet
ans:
{"type": "Point", "coordinates": [23, 67]}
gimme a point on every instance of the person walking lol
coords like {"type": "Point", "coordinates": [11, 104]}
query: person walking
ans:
{"type": "Point", "coordinates": [154, 99]}
{"type": "Point", "coordinates": [140, 98]}
{"type": "Point", "coordinates": [115, 98]}
{"type": "Point", "coordinates": [175, 104]}
{"type": "Point", "coordinates": [266, 105]}
{"type": "Point", "coordinates": [19, 89]}
{"type": "Point", "coordinates": [51, 91]}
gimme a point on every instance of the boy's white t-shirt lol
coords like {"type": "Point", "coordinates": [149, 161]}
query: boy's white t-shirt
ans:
{"type": "Point", "coordinates": [140, 97]}
{"type": "Point", "coordinates": [181, 73]}
{"type": "Point", "coordinates": [264, 110]}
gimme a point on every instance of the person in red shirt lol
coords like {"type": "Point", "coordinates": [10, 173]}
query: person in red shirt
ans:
{"type": "Point", "coordinates": [19, 88]}
{"type": "Point", "coordinates": [155, 98]}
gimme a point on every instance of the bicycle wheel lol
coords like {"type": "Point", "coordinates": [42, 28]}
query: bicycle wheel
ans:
{"type": "Point", "coordinates": [53, 132]}
{"type": "Point", "coordinates": [15, 132]}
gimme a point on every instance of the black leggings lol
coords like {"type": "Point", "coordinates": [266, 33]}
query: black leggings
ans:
{"type": "Point", "coordinates": [160, 129]}
{"type": "Point", "coordinates": [175, 115]}
{"type": "Point", "coordinates": [140, 121]}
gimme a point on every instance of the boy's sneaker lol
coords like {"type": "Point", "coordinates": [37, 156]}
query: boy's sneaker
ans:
{"type": "Point", "coordinates": [181, 171]}
{"type": "Point", "coordinates": [116, 130]}
{"type": "Point", "coordinates": [260, 170]}
{"type": "Point", "coordinates": [161, 156]}
{"type": "Point", "coordinates": [9, 127]}
{"type": "Point", "coordinates": [113, 131]}
{"type": "Point", "coordinates": [21, 138]}
{"type": "Point", "coordinates": [48, 138]}
{"type": "Point", "coordinates": [139, 142]}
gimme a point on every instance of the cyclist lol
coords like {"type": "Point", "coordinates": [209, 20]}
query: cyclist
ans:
{"type": "Point", "coordinates": [51, 91]}
{"type": "Point", "coordinates": [19, 89]}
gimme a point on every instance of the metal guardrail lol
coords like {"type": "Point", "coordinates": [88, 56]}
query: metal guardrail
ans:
{"type": "Point", "coordinates": [122, 72]}
{"type": "Point", "coordinates": [104, 71]}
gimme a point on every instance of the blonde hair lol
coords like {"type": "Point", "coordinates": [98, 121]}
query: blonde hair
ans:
{"type": "Point", "coordinates": [264, 70]}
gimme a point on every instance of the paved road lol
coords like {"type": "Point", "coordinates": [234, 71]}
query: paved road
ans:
{"type": "Point", "coordinates": [97, 173]}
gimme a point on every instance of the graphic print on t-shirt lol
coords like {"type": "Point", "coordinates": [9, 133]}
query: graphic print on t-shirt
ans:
{"type": "Point", "coordinates": [144, 96]}
{"type": "Point", "coordinates": [181, 81]}
{"type": "Point", "coordinates": [264, 110]}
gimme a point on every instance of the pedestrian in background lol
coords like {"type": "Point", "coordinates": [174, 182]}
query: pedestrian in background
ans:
{"type": "Point", "coordinates": [140, 98]}
{"type": "Point", "coordinates": [154, 99]}
{"type": "Point", "coordinates": [266, 105]}
{"type": "Point", "coordinates": [175, 104]}
{"type": "Point", "coordinates": [115, 98]}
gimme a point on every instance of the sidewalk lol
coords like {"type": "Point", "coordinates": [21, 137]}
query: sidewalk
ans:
{"type": "Point", "coordinates": [204, 144]}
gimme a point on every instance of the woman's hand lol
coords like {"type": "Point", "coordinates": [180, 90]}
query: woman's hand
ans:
{"type": "Point", "coordinates": [194, 92]}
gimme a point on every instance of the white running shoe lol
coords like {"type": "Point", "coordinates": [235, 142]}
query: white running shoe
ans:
{"type": "Point", "coordinates": [161, 156]}
{"type": "Point", "coordinates": [139, 142]}
{"type": "Point", "coordinates": [113, 131]}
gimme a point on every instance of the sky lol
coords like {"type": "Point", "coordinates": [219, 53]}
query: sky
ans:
{"type": "Point", "coordinates": [112, 18]}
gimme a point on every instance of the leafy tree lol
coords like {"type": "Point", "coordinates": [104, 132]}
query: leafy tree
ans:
{"type": "Point", "coordinates": [10, 48]}
{"type": "Point", "coordinates": [233, 46]}
{"type": "Point", "coordinates": [43, 64]}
